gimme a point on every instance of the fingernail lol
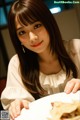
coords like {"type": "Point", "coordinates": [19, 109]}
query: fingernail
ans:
{"type": "Point", "coordinates": [67, 91]}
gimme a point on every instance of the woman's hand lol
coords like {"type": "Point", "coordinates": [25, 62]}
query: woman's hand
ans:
{"type": "Point", "coordinates": [16, 107]}
{"type": "Point", "coordinates": [72, 86]}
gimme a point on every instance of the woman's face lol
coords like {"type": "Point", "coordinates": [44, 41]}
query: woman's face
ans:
{"type": "Point", "coordinates": [33, 36]}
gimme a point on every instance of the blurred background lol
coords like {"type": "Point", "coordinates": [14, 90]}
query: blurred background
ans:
{"type": "Point", "coordinates": [66, 14]}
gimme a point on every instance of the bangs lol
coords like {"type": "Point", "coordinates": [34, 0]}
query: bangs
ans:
{"type": "Point", "coordinates": [27, 13]}
{"type": "Point", "coordinates": [26, 18]}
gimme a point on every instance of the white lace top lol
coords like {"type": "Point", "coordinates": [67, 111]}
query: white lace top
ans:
{"type": "Point", "coordinates": [53, 83]}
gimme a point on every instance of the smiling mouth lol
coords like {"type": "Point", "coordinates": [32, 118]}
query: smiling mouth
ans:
{"type": "Point", "coordinates": [36, 45]}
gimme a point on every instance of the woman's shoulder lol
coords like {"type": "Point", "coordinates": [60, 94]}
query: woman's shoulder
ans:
{"type": "Point", "coordinates": [72, 45]}
{"type": "Point", "coordinates": [14, 61]}
{"type": "Point", "coordinates": [14, 58]}
{"type": "Point", "coordinates": [75, 44]}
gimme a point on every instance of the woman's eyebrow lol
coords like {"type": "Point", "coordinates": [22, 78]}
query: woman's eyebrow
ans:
{"type": "Point", "coordinates": [19, 28]}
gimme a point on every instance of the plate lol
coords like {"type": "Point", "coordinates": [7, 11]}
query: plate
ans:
{"type": "Point", "coordinates": [40, 109]}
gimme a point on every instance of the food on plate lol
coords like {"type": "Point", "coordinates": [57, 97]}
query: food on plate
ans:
{"type": "Point", "coordinates": [65, 111]}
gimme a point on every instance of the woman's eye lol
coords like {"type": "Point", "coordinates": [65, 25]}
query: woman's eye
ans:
{"type": "Point", "coordinates": [21, 33]}
{"type": "Point", "coordinates": [37, 26]}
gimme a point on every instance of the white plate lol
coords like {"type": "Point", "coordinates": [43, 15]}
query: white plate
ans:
{"type": "Point", "coordinates": [39, 109]}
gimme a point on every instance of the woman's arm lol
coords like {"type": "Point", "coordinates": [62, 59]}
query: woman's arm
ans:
{"type": "Point", "coordinates": [74, 51]}
{"type": "Point", "coordinates": [15, 95]}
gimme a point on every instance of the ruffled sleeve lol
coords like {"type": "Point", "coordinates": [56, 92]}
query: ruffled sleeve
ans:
{"type": "Point", "coordinates": [14, 88]}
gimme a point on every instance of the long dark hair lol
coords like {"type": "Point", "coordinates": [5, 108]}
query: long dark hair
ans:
{"type": "Point", "coordinates": [29, 11]}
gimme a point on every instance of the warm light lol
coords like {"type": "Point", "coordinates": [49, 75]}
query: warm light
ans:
{"type": "Point", "coordinates": [55, 10]}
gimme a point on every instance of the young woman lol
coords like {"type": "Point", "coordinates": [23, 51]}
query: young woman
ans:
{"type": "Point", "coordinates": [44, 63]}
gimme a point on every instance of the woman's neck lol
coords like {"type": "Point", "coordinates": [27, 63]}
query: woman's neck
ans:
{"type": "Point", "coordinates": [49, 64]}
{"type": "Point", "coordinates": [47, 57]}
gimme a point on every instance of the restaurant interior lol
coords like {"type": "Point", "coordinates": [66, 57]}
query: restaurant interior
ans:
{"type": "Point", "coordinates": [67, 17]}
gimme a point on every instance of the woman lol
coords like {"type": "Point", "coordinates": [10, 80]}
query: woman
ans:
{"type": "Point", "coordinates": [44, 63]}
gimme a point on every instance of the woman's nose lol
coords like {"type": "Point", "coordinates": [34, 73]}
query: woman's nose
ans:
{"type": "Point", "coordinates": [32, 37]}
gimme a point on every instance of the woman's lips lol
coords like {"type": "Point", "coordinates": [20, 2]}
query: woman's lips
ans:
{"type": "Point", "coordinates": [36, 45]}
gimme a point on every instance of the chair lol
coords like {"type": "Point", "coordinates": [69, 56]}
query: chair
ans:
{"type": "Point", "coordinates": [2, 86]}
